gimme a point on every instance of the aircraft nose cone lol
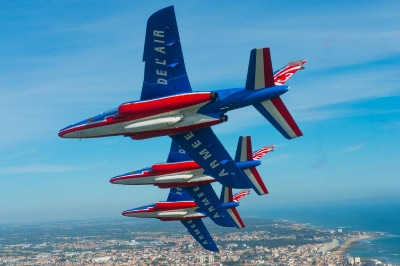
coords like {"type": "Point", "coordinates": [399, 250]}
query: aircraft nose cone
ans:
{"type": "Point", "coordinates": [117, 179]}
{"type": "Point", "coordinates": [61, 134]}
{"type": "Point", "coordinates": [64, 131]}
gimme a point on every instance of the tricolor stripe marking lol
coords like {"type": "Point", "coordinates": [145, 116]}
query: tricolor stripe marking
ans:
{"type": "Point", "coordinates": [238, 196]}
{"type": "Point", "coordinates": [263, 72]}
{"type": "Point", "coordinates": [279, 113]}
{"type": "Point", "coordinates": [227, 194]}
{"type": "Point", "coordinates": [236, 218]}
{"type": "Point", "coordinates": [245, 150]}
{"type": "Point", "coordinates": [257, 155]}
{"type": "Point", "coordinates": [256, 181]}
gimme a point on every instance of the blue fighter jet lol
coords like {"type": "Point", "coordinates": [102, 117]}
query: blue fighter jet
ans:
{"type": "Point", "coordinates": [181, 207]}
{"type": "Point", "coordinates": [169, 107]}
{"type": "Point", "coordinates": [196, 182]}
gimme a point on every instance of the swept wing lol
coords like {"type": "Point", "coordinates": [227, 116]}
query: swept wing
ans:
{"type": "Point", "coordinates": [178, 194]}
{"type": "Point", "coordinates": [209, 204]}
{"type": "Point", "coordinates": [205, 149]}
{"type": "Point", "coordinates": [198, 230]}
{"type": "Point", "coordinates": [177, 154]}
{"type": "Point", "coordinates": [164, 72]}
{"type": "Point", "coordinates": [196, 227]}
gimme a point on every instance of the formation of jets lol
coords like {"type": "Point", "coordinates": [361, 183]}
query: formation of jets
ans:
{"type": "Point", "coordinates": [169, 107]}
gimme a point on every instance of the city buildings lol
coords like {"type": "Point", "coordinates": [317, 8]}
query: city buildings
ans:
{"type": "Point", "coordinates": [116, 243]}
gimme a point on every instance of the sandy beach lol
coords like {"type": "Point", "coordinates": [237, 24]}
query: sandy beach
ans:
{"type": "Point", "coordinates": [342, 249]}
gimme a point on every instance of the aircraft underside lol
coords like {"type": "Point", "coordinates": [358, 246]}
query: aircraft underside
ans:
{"type": "Point", "coordinates": [171, 214]}
{"type": "Point", "coordinates": [168, 107]}
{"type": "Point", "coordinates": [146, 128]}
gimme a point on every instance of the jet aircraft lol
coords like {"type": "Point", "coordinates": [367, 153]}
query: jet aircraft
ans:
{"type": "Point", "coordinates": [168, 106]}
{"type": "Point", "coordinates": [181, 171]}
{"type": "Point", "coordinates": [181, 207]}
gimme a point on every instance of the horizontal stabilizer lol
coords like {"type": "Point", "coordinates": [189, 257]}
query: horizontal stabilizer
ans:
{"type": "Point", "coordinates": [240, 195]}
{"type": "Point", "coordinates": [277, 114]}
{"type": "Point", "coordinates": [282, 75]}
{"type": "Point", "coordinates": [236, 218]}
{"type": "Point", "coordinates": [199, 231]}
{"type": "Point", "coordinates": [256, 181]}
{"type": "Point", "coordinates": [227, 196]}
{"type": "Point", "coordinates": [258, 154]}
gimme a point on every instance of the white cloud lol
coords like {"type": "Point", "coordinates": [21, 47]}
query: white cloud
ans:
{"type": "Point", "coordinates": [349, 149]}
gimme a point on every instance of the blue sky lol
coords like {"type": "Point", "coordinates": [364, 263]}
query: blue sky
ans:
{"type": "Point", "coordinates": [61, 62]}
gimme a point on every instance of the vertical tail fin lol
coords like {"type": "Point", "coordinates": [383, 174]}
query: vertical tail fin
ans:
{"type": "Point", "coordinates": [226, 197]}
{"type": "Point", "coordinates": [259, 74]}
{"type": "Point", "coordinates": [244, 153]}
{"type": "Point", "coordinates": [226, 194]}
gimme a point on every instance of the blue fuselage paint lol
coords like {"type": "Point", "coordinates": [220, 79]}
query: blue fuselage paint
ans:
{"type": "Point", "coordinates": [228, 205]}
{"type": "Point", "coordinates": [248, 164]}
{"type": "Point", "coordinates": [231, 99]}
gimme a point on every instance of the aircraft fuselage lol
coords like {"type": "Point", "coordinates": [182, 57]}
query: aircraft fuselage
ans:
{"type": "Point", "coordinates": [167, 211]}
{"type": "Point", "coordinates": [169, 115]}
{"type": "Point", "coordinates": [168, 175]}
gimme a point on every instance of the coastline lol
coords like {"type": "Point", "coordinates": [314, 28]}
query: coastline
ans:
{"type": "Point", "coordinates": [343, 248]}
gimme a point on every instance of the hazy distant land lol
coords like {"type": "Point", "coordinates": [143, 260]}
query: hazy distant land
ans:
{"type": "Point", "coordinates": [136, 241]}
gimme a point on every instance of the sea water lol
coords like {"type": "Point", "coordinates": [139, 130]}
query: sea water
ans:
{"type": "Point", "coordinates": [380, 216]}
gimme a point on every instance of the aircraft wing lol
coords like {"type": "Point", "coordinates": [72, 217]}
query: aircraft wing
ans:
{"type": "Point", "coordinates": [178, 194]}
{"type": "Point", "coordinates": [177, 154]}
{"type": "Point", "coordinates": [164, 72]}
{"type": "Point", "coordinates": [199, 231]}
{"type": "Point", "coordinates": [205, 149]}
{"type": "Point", "coordinates": [209, 203]}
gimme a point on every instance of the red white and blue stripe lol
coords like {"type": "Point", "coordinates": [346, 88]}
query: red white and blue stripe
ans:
{"type": "Point", "coordinates": [226, 196]}
{"type": "Point", "coordinates": [282, 75]}
{"type": "Point", "coordinates": [244, 153]}
{"type": "Point", "coordinates": [258, 154]}
{"type": "Point", "coordinates": [260, 74]}
{"type": "Point", "coordinates": [277, 114]}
